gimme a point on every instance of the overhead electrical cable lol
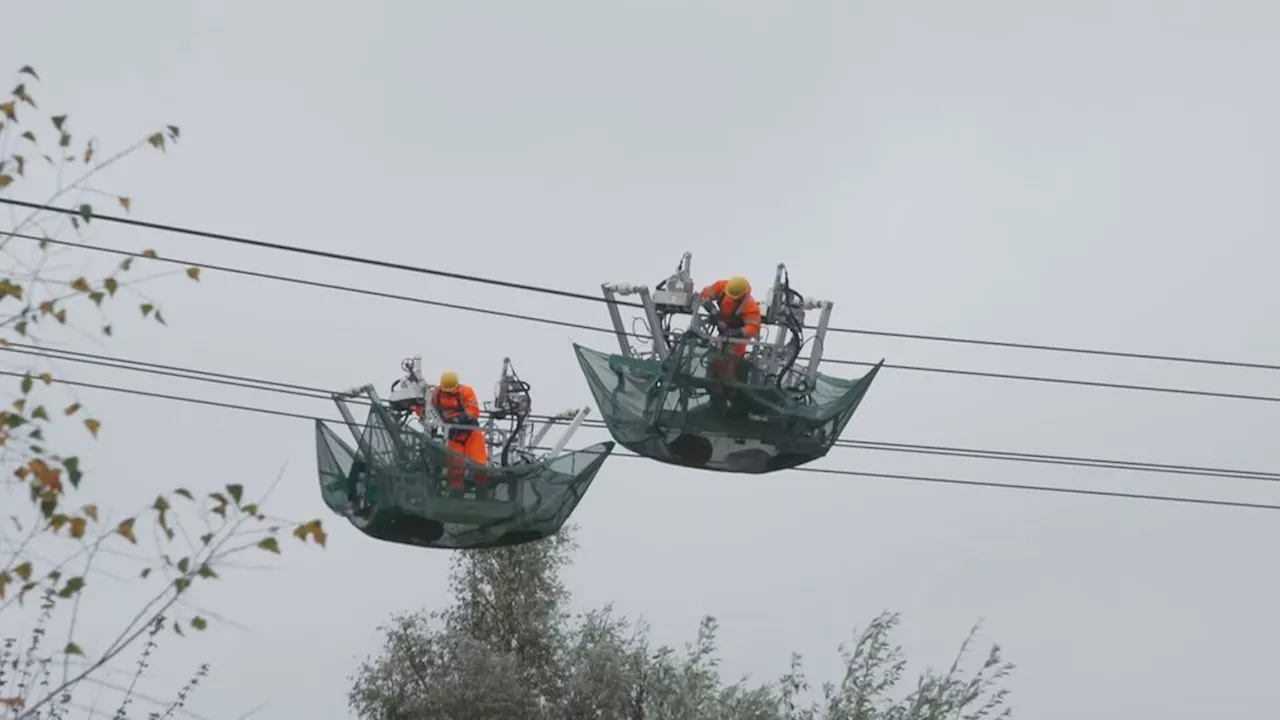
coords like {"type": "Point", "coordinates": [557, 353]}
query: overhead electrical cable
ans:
{"type": "Point", "coordinates": [600, 329]}
{"type": "Point", "coordinates": [178, 398]}
{"type": "Point", "coordinates": [317, 393]}
{"type": "Point", "coordinates": [343, 257]}
{"type": "Point", "coordinates": [822, 471]}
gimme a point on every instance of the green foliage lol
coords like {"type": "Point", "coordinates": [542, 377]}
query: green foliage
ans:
{"type": "Point", "coordinates": [50, 547]}
{"type": "Point", "coordinates": [506, 647]}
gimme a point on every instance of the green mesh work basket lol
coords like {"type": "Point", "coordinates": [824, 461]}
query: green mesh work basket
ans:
{"type": "Point", "coordinates": [392, 487]}
{"type": "Point", "coordinates": [676, 411]}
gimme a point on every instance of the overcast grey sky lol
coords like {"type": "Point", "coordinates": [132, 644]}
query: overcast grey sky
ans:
{"type": "Point", "coordinates": [1085, 172]}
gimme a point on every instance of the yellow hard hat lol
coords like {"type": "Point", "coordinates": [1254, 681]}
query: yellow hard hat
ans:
{"type": "Point", "coordinates": [448, 381]}
{"type": "Point", "coordinates": [737, 287]}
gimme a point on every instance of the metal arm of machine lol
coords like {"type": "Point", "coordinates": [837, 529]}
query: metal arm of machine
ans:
{"type": "Point", "coordinates": [569, 431]}
{"type": "Point", "coordinates": [786, 311]}
{"type": "Point", "coordinates": [819, 340]}
{"type": "Point", "coordinates": [511, 394]}
{"type": "Point", "coordinates": [611, 293]}
{"type": "Point", "coordinates": [339, 399]}
{"type": "Point", "coordinates": [393, 429]}
{"type": "Point", "coordinates": [675, 295]}
{"type": "Point", "coordinates": [546, 426]}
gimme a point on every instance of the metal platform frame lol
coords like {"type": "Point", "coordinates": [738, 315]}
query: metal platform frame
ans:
{"type": "Point", "coordinates": [782, 323]}
{"type": "Point", "coordinates": [505, 418]}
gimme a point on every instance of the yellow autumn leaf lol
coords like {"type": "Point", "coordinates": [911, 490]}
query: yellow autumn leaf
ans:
{"type": "Point", "coordinates": [93, 426]}
{"type": "Point", "coordinates": [313, 528]}
{"type": "Point", "coordinates": [125, 203]}
{"type": "Point", "coordinates": [126, 531]}
{"type": "Point", "coordinates": [193, 273]}
{"type": "Point", "coordinates": [50, 478]}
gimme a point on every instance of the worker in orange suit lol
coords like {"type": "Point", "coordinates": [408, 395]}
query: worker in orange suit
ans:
{"type": "Point", "coordinates": [737, 317]}
{"type": "Point", "coordinates": [457, 405]}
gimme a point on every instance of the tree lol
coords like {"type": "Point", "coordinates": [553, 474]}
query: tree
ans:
{"type": "Point", "coordinates": [498, 650]}
{"type": "Point", "coordinates": [54, 543]}
{"type": "Point", "coordinates": [507, 648]}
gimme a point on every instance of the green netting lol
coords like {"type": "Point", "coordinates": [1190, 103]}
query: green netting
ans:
{"type": "Point", "coordinates": [392, 486]}
{"type": "Point", "coordinates": [677, 411]}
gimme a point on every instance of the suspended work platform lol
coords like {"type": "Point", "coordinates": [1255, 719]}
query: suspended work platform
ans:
{"type": "Point", "coordinates": [397, 482]}
{"type": "Point", "coordinates": [685, 398]}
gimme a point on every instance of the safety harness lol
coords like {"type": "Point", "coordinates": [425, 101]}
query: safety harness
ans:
{"type": "Point", "coordinates": [734, 321]}
{"type": "Point", "coordinates": [455, 434]}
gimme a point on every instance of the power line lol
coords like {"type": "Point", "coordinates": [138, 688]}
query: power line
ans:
{"type": "Point", "coordinates": [594, 298]}
{"type": "Point", "coordinates": [320, 284]}
{"type": "Point", "coordinates": [595, 328]}
{"type": "Point", "coordinates": [168, 371]}
{"type": "Point", "coordinates": [316, 393]}
{"type": "Point", "coordinates": [825, 471]}
{"type": "Point", "coordinates": [1070, 381]}
{"type": "Point", "coordinates": [178, 398]}
{"type": "Point", "coordinates": [1074, 461]}
{"type": "Point", "coordinates": [311, 251]}
{"type": "Point", "coordinates": [1040, 488]}
{"type": "Point", "coordinates": [1044, 347]}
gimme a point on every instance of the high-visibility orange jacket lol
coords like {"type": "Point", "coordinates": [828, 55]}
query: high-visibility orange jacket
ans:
{"type": "Point", "coordinates": [460, 405]}
{"type": "Point", "coordinates": [742, 314]}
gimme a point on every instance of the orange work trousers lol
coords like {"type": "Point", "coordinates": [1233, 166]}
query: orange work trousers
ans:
{"type": "Point", "coordinates": [470, 444]}
{"type": "Point", "coordinates": [726, 368]}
